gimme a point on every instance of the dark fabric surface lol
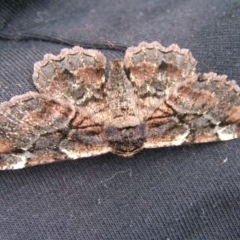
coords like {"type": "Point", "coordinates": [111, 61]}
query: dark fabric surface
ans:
{"type": "Point", "coordinates": [185, 192]}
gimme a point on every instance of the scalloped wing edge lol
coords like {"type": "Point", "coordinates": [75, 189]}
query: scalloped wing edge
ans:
{"type": "Point", "coordinates": [172, 48]}
{"type": "Point", "coordinates": [64, 52]}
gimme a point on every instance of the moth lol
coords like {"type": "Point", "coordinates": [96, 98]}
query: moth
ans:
{"type": "Point", "coordinates": [152, 98]}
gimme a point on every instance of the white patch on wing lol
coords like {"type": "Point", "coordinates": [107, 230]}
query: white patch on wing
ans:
{"type": "Point", "coordinates": [175, 142]}
{"type": "Point", "coordinates": [226, 133]}
{"type": "Point", "coordinates": [75, 155]}
{"type": "Point", "coordinates": [20, 164]}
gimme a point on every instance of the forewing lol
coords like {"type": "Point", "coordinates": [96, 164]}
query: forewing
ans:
{"type": "Point", "coordinates": [32, 126]}
{"type": "Point", "coordinates": [86, 136]}
{"type": "Point", "coordinates": [204, 108]}
{"type": "Point", "coordinates": [36, 130]}
{"type": "Point", "coordinates": [75, 75]}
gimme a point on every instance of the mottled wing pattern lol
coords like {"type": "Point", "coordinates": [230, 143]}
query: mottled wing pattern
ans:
{"type": "Point", "coordinates": [153, 98]}
{"type": "Point", "coordinates": [65, 120]}
{"type": "Point", "coordinates": [180, 106]}
{"type": "Point", "coordinates": [32, 127]}
{"type": "Point", "coordinates": [75, 75]}
{"type": "Point", "coordinates": [154, 70]}
{"type": "Point", "coordinates": [85, 137]}
{"type": "Point", "coordinates": [36, 129]}
{"type": "Point", "coordinates": [210, 107]}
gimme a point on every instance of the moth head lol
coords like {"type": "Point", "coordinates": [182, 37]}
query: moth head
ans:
{"type": "Point", "coordinates": [126, 141]}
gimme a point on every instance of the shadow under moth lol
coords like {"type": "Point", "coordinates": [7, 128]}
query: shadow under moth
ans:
{"type": "Point", "coordinates": [152, 98]}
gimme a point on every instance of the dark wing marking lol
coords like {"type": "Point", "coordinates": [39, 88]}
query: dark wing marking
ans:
{"type": "Point", "coordinates": [154, 69]}
{"type": "Point", "coordinates": [36, 130]}
{"type": "Point", "coordinates": [153, 98]}
{"type": "Point", "coordinates": [75, 75]}
{"type": "Point", "coordinates": [32, 126]}
{"type": "Point", "coordinates": [204, 108]}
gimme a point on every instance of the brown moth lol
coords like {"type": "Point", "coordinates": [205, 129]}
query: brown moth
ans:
{"type": "Point", "coordinates": [152, 98]}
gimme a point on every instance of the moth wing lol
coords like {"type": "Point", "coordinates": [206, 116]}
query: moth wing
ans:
{"type": "Point", "coordinates": [204, 108]}
{"type": "Point", "coordinates": [31, 128]}
{"type": "Point", "coordinates": [86, 137]}
{"type": "Point", "coordinates": [36, 130]}
{"type": "Point", "coordinates": [75, 75]}
{"type": "Point", "coordinates": [154, 70]}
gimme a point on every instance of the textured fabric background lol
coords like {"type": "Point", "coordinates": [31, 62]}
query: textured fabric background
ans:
{"type": "Point", "coordinates": [186, 192]}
